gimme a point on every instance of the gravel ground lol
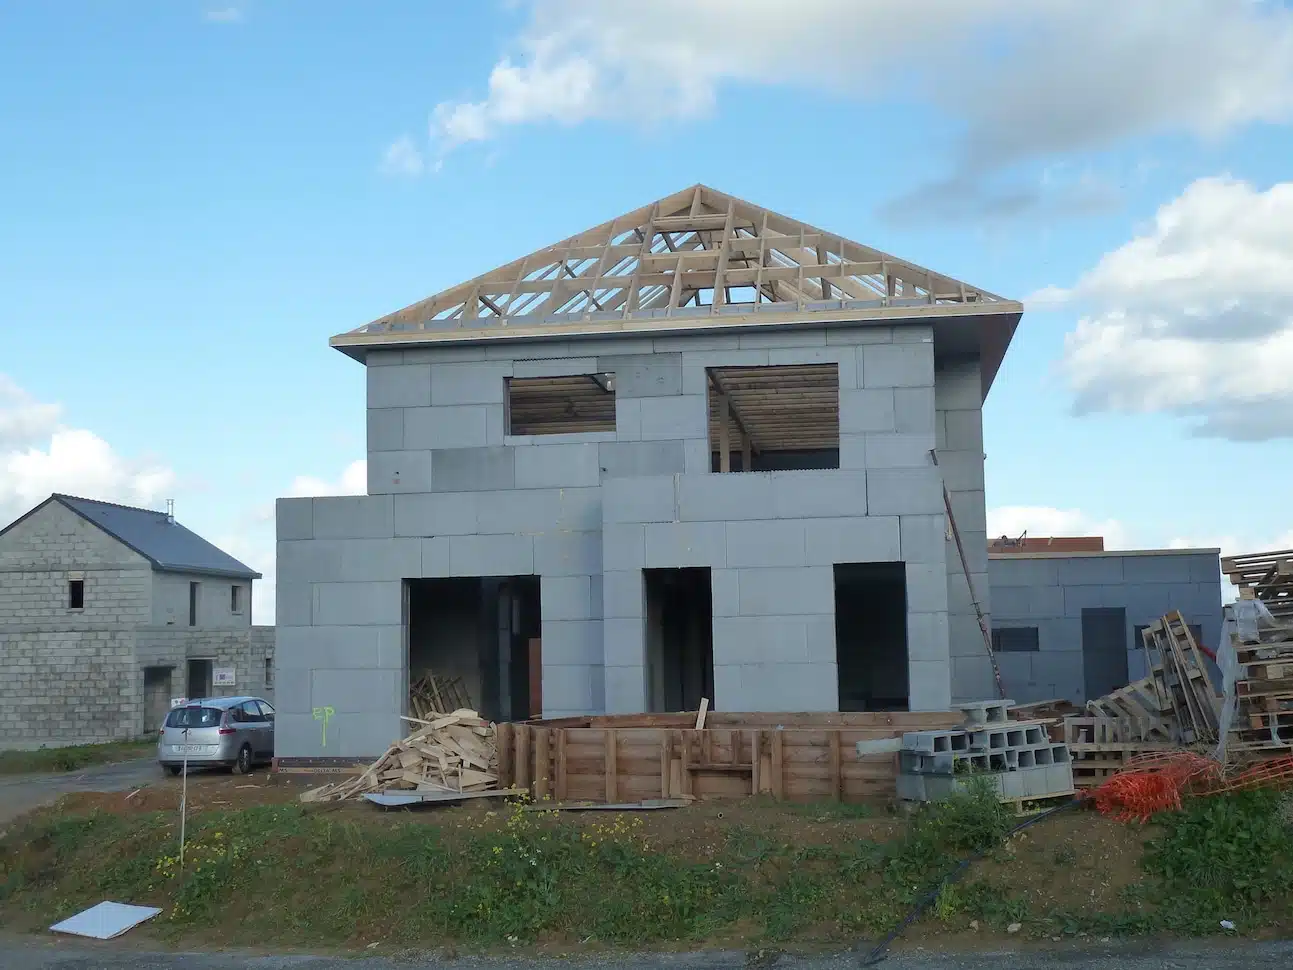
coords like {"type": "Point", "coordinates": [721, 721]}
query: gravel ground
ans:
{"type": "Point", "coordinates": [43, 954]}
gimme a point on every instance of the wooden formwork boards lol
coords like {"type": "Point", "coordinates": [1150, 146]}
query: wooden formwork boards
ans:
{"type": "Point", "coordinates": [623, 758]}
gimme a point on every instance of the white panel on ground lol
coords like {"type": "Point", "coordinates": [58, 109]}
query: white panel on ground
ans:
{"type": "Point", "coordinates": [105, 921]}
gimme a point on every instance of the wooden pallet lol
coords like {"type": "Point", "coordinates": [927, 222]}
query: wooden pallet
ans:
{"type": "Point", "coordinates": [1265, 576]}
{"type": "Point", "coordinates": [1180, 678]}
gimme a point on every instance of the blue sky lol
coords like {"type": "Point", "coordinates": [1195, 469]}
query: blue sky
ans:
{"type": "Point", "coordinates": [194, 197]}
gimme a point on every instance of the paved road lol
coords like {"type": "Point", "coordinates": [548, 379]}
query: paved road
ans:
{"type": "Point", "coordinates": [22, 793]}
{"type": "Point", "coordinates": [117, 955]}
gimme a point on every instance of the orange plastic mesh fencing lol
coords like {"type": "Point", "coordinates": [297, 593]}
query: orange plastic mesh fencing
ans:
{"type": "Point", "coordinates": [1273, 773]}
{"type": "Point", "coordinates": [1153, 783]}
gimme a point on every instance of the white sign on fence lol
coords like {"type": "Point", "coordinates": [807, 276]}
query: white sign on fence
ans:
{"type": "Point", "coordinates": [223, 677]}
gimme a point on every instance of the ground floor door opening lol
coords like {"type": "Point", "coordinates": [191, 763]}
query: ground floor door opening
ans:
{"type": "Point", "coordinates": [1104, 650]}
{"type": "Point", "coordinates": [200, 674]}
{"type": "Point", "coordinates": [474, 642]}
{"type": "Point", "coordinates": [679, 638]}
{"type": "Point", "coordinates": [157, 697]}
{"type": "Point", "coordinates": [871, 635]}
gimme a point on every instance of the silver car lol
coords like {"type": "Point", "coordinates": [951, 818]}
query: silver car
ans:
{"type": "Point", "coordinates": [231, 732]}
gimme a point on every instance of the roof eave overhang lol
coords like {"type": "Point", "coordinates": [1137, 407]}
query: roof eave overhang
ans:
{"type": "Point", "coordinates": [995, 324]}
{"type": "Point", "coordinates": [193, 571]}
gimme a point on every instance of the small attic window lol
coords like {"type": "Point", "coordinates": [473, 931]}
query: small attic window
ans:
{"type": "Point", "coordinates": [235, 599]}
{"type": "Point", "coordinates": [577, 404]}
{"type": "Point", "coordinates": [76, 594]}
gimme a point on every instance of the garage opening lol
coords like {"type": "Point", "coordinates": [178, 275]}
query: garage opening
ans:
{"type": "Point", "coordinates": [473, 642]}
{"type": "Point", "coordinates": [776, 418]}
{"type": "Point", "coordinates": [871, 635]}
{"type": "Point", "coordinates": [679, 638]}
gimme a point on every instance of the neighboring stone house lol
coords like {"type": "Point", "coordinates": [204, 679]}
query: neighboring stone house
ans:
{"type": "Point", "coordinates": [687, 453]}
{"type": "Point", "coordinates": [107, 613]}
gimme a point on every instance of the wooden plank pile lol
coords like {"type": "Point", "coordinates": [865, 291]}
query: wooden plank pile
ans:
{"type": "Point", "coordinates": [430, 694]}
{"type": "Point", "coordinates": [1175, 705]}
{"type": "Point", "coordinates": [447, 753]}
{"type": "Point", "coordinates": [1262, 720]}
{"type": "Point", "coordinates": [1264, 576]}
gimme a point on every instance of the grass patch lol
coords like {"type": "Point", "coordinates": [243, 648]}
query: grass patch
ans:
{"type": "Point", "coordinates": [74, 757]}
{"type": "Point", "coordinates": [758, 875]}
{"type": "Point", "coordinates": [292, 875]}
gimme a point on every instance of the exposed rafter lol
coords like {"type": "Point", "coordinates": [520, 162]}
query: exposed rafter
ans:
{"type": "Point", "coordinates": [694, 254]}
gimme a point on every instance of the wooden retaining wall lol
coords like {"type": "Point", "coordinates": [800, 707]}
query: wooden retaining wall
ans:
{"type": "Point", "coordinates": [630, 758]}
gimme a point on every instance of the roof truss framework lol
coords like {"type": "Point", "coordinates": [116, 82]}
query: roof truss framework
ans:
{"type": "Point", "coordinates": [792, 407]}
{"type": "Point", "coordinates": [698, 252]}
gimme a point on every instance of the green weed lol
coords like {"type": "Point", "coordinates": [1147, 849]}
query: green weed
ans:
{"type": "Point", "coordinates": [72, 758]}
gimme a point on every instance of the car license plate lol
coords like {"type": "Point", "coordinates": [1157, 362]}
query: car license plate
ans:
{"type": "Point", "coordinates": [190, 748]}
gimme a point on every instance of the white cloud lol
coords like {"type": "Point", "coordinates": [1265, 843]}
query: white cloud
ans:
{"type": "Point", "coordinates": [254, 541]}
{"type": "Point", "coordinates": [1193, 316]}
{"type": "Point", "coordinates": [353, 481]}
{"type": "Point", "coordinates": [1024, 81]}
{"type": "Point", "coordinates": [1044, 521]}
{"type": "Point", "coordinates": [40, 455]}
{"type": "Point", "coordinates": [224, 15]}
{"type": "Point", "coordinates": [402, 157]}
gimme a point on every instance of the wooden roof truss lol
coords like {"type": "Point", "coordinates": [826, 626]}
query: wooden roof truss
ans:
{"type": "Point", "coordinates": [696, 253]}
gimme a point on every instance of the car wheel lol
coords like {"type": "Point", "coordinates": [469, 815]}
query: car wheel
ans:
{"type": "Point", "coordinates": [243, 765]}
{"type": "Point", "coordinates": [172, 770]}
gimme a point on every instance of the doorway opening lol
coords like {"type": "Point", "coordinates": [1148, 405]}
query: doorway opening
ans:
{"type": "Point", "coordinates": [871, 635]}
{"type": "Point", "coordinates": [679, 638]}
{"type": "Point", "coordinates": [200, 673]}
{"type": "Point", "coordinates": [1104, 650]}
{"type": "Point", "coordinates": [474, 642]}
{"type": "Point", "coordinates": [157, 697]}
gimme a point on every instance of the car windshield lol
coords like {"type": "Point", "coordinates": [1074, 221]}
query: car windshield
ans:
{"type": "Point", "coordinates": [194, 717]}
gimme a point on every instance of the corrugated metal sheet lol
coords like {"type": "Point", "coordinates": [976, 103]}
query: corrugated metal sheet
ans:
{"type": "Point", "coordinates": [167, 544]}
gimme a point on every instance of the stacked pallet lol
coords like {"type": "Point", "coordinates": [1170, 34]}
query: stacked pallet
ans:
{"type": "Point", "coordinates": [447, 753]}
{"type": "Point", "coordinates": [1175, 705]}
{"type": "Point", "coordinates": [1262, 698]}
{"type": "Point", "coordinates": [1266, 577]}
{"type": "Point", "coordinates": [429, 694]}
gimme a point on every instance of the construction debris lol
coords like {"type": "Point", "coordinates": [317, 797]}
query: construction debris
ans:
{"type": "Point", "coordinates": [447, 753]}
{"type": "Point", "coordinates": [429, 694]}
{"type": "Point", "coordinates": [1017, 757]}
{"type": "Point", "coordinates": [1264, 576]}
{"type": "Point", "coordinates": [1176, 705]}
{"type": "Point", "coordinates": [1258, 671]}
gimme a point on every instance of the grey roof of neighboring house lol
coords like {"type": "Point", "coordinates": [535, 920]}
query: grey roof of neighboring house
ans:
{"type": "Point", "coordinates": [155, 536]}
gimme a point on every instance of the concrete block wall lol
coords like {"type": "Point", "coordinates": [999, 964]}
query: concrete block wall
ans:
{"type": "Point", "coordinates": [244, 650]}
{"type": "Point", "coordinates": [771, 540]}
{"type": "Point", "coordinates": [451, 493]}
{"type": "Point", "coordinates": [958, 416]}
{"type": "Point", "coordinates": [1049, 592]}
{"type": "Point", "coordinates": [215, 603]}
{"type": "Point", "coordinates": [67, 676]}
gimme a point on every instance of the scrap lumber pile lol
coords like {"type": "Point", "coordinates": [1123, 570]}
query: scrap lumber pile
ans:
{"type": "Point", "coordinates": [430, 694]}
{"type": "Point", "coordinates": [1175, 705]}
{"type": "Point", "coordinates": [1259, 696]}
{"type": "Point", "coordinates": [1266, 577]}
{"type": "Point", "coordinates": [447, 753]}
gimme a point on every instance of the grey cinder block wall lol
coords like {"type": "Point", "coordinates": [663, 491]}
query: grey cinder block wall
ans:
{"type": "Point", "coordinates": [451, 494]}
{"type": "Point", "coordinates": [75, 676]}
{"type": "Point", "coordinates": [1066, 624]}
